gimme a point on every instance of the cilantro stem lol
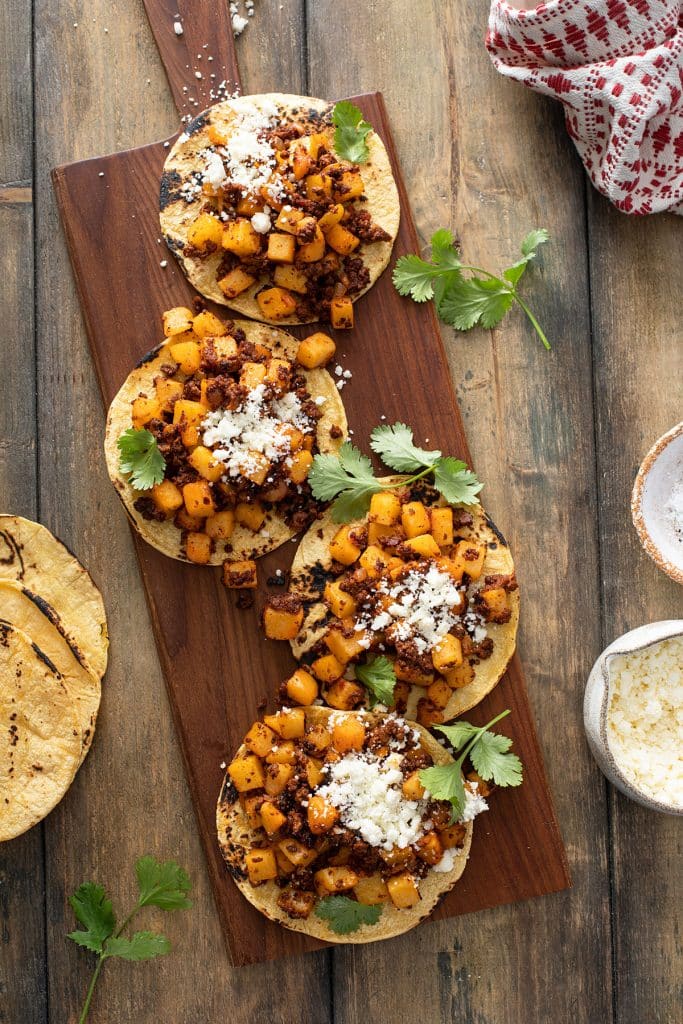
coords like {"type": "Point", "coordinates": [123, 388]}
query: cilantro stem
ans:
{"type": "Point", "coordinates": [479, 733]}
{"type": "Point", "coordinates": [88, 999]}
{"type": "Point", "coordinates": [534, 321]}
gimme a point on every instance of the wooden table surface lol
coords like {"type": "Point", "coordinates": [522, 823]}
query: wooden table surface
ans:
{"type": "Point", "coordinates": [557, 437]}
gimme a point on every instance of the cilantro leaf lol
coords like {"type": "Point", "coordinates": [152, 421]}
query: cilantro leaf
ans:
{"type": "Point", "coordinates": [348, 476]}
{"type": "Point", "coordinates": [162, 884]}
{"type": "Point", "coordinates": [345, 915]}
{"type": "Point", "coordinates": [491, 760]}
{"type": "Point", "coordinates": [459, 733]}
{"type": "Point", "coordinates": [444, 252]}
{"type": "Point", "coordinates": [444, 782]}
{"type": "Point", "coordinates": [413, 276]}
{"type": "Point", "coordinates": [142, 946]}
{"type": "Point", "coordinates": [468, 301]}
{"type": "Point", "coordinates": [379, 677]}
{"type": "Point", "coordinates": [350, 134]}
{"type": "Point", "coordinates": [94, 910]}
{"type": "Point", "coordinates": [141, 458]}
{"type": "Point", "coordinates": [532, 241]}
{"type": "Point", "coordinates": [394, 445]}
{"type": "Point", "coordinates": [353, 503]}
{"type": "Point", "coordinates": [457, 483]}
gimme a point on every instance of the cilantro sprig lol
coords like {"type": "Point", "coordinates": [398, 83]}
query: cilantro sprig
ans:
{"type": "Point", "coordinates": [140, 456]}
{"type": "Point", "coordinates": [349, 479]}
{"type": "Point", "coordinates": [489, 753]}
{"type": "Point", "coordinates": [345, 915]}
{"type": "Point", "coordinates": [350, 132]}
{"type": "Point", "coordinates": [463, 301]}
{"type": "Point", "coordinates": [380, 679]}
{"type": "Point", "coordinates": [160, 884]}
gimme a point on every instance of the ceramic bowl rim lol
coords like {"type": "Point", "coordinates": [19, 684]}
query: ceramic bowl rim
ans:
{"type": "Point", "coordinates": [674, 571]}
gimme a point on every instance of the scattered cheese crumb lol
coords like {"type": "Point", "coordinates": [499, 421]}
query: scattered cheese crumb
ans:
{"type": "Point", "coordinates": [178, 29]}
{"type": "Point", "coordinates": [164, 263]}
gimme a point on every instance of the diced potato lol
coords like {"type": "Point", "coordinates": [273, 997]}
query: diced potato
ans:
{"type": "Point", "coordinates": [272, 819]}
{"type": "Point", "coordinates": [311, 252]}
{"type": "Point", "coordinates": [239, 575]}
{"type": "Point", "coordinates": [439, 693]}
{"type": "Point", "coordinates": [277, 777]}
{"type": "Point", "coordinates": [207, 325]}
{"type": "Point", "coordinates": [318, 738]}
{"type": "Point", "coordinates": [260, 739]}
{"type": "Point", "coordinates": [290, 278]}
{"type": "Point", "coordinates": [246, 773]}
{"type": "Point", "coordinates": [279, 375]}
{"type": "Point", "coordinates": [331, 218]}
{"type": "Point", "coordinates": [447, 654]}
{"type": "Point", "coordinates": [348, 734]}
{"type": "Point", "coordinates": [327, 668]}
{"type": "Point", "coordinates": [198, 499]}
{"type": "Point", "coordinates": [188, 413]}
{"type": "Point", "coordinates": [282, 624]}
{"type": "Point", "coordinates": [403, 890]}
{"type": "Point", "coordinates": [430, 849]}
{"type": "Point", "coordinates": [203, 461]}
{"type": "Point", "coordinates": [276, 303]}
{"type": "Point", "coordinates": [342, 240]}
{"type": "Point", "coordinates": [315, 350]}
{"type": "Point", "coordinates": [412, 674]}
{"type": "Point", "coordinates": [396, 856]}
{"type": "Point", "coordinates": [250, 514]}
{"type": "Point", "coordinates": [239, 237]}
{"type": "Point", "coordinates": [343, 647]}
{"type": "Point", "coordinates": [216, 136]}
{"type": "Point", "coordinates": [168, 391]}
{"type": "Point", "coordinates": [341, 604]}
{"type": "Point", "coordinates": [299, 466]}
{"type": "Point", "coordinates": [301, 856]}
{"type": "Point", "coordinates": [301, 163]}
{"type": "Point", "coordinates": [341, 313]}
{"type": "Point", "coordinates": [261, 866]}
{"type": "Point", "coordinates": [251, 805]}
{"type": "Point", "coordinates": [496, 600]}
{"type": "Point", "coordinates": [167, 497]}
{"type": "Point", "coordinates": [284, 753]}
{"type": "Point", "coordinates": [349, 186]}
{"type": "Point", "coordinates": [377, 533]}
{"type": "Point", "coordinates": [442, 526]}
{"type": "Point", "coordinates": [144, 410]}
{"type": "Point", "coordinates": [247, 206]}
{"type": "Point", "coordinates": [318, 186]}
{"type": "Point", "coordinates": [412, 788]}
{"type": "Point", "coordinates": [188, 356]}
{"type": "Point", "coordinates": [374, 561]}
{"type": "Point", "coordinates": [199, 548]}
{"type": "Point", "coordinates": [344, 547]}
{"type": "Point", "coordinates": [221, 525]}
{"type": "Point", "coordinates": [385, 509]}
{"type": "Point", "coordinates": [187, 522]}
{"type": "Point", "coordinates": [321, 815]}
{"type": "Point", "coordinates": [424, 545]}
{"type": "Point", "coordinates": [334, 879]}
{"type": "Point", "coordinates": [428, 714]}
{"type": "Point", "coordinates": [289, 723]}
{"type": "Point", "coordinates": [344, 695]}
{"type": "Point", "coordinates": [371, 890]}
{"type": "Point", "coordinates": [177, 320]}
{"type": "Point", "coordinates": [452, 836]}
{"type": "Point", "coordinates": [301, 687]}
{"type": "Point", "coordinates": [460, 676]}
{"type": "Point", "coordinates": [468, 557]}
{"type": "Point", "coordinates": [252, 374]}
{"type": "Point", "coordinates": [205, 233]}
{"type": "Point", "coordinates": [415, 519]}
{"type": "Point", "coordinates": [281, 248]}
{"type": "Point", "coordinates": [315, 142]}
{"type": "Point", "coordinates": [256, 469]}
{"type": "Point", "coordinates": [235, 282]}
{"type": "Point", "coordinates": [288, 219]}
{"type": "Point", "coordinates": [284, 864]}
{"type": "Point", "coordinates": [314, 772]}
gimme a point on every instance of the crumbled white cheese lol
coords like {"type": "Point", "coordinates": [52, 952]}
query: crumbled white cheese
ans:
{"type": "Point", "coordinates": [474, 803]}
{"type": "Point", "coordinates": [177, 28]}
{"type": "Point", "coordinates": [645, 719]}
{"type": "Point", "coordinates": [260, 222]}
{"type": "Point", "coordinates": [247, 159]}
{"type": "Point", "coordinates": [447, 861]}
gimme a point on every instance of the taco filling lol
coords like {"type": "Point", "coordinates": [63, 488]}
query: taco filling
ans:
{"type": "Point", "coordinates": [234, 421]}
{"type": "Point", "coordinates": [413, 585]}
{"type": "Point", "coordinates": [334, 805]}
{"type": "Point", "coordinates": [267, 217]}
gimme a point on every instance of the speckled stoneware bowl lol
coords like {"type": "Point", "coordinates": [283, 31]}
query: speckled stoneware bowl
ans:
{"type": "Point", "coordinates": [596, 702]}
{"type": "Point", "coordinates": [658, 477]}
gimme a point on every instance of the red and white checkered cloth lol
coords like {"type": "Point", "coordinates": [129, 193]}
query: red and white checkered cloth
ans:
{"type": "Point", "coordinates": [617, 66]}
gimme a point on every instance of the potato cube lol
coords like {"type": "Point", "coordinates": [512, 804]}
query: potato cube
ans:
{"type": "Point", "coordinates": [290, 723]}
{"type": "Point", "coordinates": [177, 320]}
{"type": "Point", "coordinates": [344, 547]}
{"type": "Point", "coordinates": [198, 499]}
{"type": "Point", "coordinates": [166, 496]}
{"type": "Point", "coordinates": [188, 413]}
{"type": "Point", "coordinates": [198, 548]}
{"type": "Point", "coordinates": [271, 818]}
{"type": "Point", "coordinates": [221, 525]}
{"type": "Point", "coordinates": [260, 739]}
{"type": "Point", "coordinates": [453, 836]}
{"type": "Point", "coordinates": [318, 186]}
{"type": "Point", "coordinates": [281, 248]}
{"type": "Point", "coordinates": [415, 519]}
{"type": "Point", "coordinates": [341, 313]}
{"type": "Point", "coordinates": [256, 469]}
{"type": "Point", "coordinates": [439, 693]}
{"type": "Point", "coordinates": [235, 282]}
{"type": "Point", "coordinates": [250, 514]}
{"type": "Point", "coordinates": [288, 218]}
{"type": "Point", "coordinates": [276, 303]}
{"type": "Point", "coordinates": [247, 206]}
{"type": "Point", "coordinates": [327, 669]}
{"type": "Point", "coordinates": [371, 890]}
{"type": "Point", "coordinates": [251, 805]}
{"type": "Point", "coordinates": [239, 237]}
{"type": "Point", "coordinates": [144, 410]}
{"type": "Point", "coordinates": [207, 325]}
{"type": "Point", "coordinates": [385, 508]}
{"type": "Point", "coordinates": [314, 772]}
{"type": "Point", "coordinates": [321, 815]}
{"type": "Point", "coordinates": [311, 252]}
{"type": "Point", "coordinates": [284, 753]}
{"type": "Point", "coordinates": [261, 866]}
{"type": "Point", "coordinates": [203, 461]}
{"type": "Point", "coordinates": [412, 674]}
{"type": "Point", "coordinates": [167, 392]}
{"type": "Point", "coordinates": [403, 890]}
{"type": "Point", "coordinates": [424, 546]}
{"type": "Point", "coordinates": [341, 240]}
{"type": "Point", "coordinates": [216, 136]}
{"type": "Point", "coordinates": [188, 356]}
{"type": "Point", "coordinates": [430, 849]}
{"type": "Point", "coordinates": [496, 601]}
{"type": "Point", "coordinates": [186, 522]}
{"type": "Point", "coordinates": [301, 687]}
{"type": "Point", "coordinates": [279, 375]}
{"type": "Point", "coordinates": [301, 162]}
{"type": "Point", "coordinates": [344, 695]}
{"type": "Point", "coordinates": [315, 350]}
{"type": "Point", "coordinates": [460, 676]}
{"type": "Point", "coordinates": [205, 233]}
{"type": "Point", "coordinates": [447, 654]}
{"type": "Point", "coordinates": [334, 879]}
{"type": "Point", "coordinates": [301, 856]}
{"type": "Point", "coordinates": [374, 561]}
{"type": "Point", "coordinates": [252, 374]}
{"type": "Point", "coordinates": [348, 734]}
{"type": "Point", "coordinates": [428, 714]}
{"type": "Point", "coordinates": [246, 773]}
{"type": "Point", "coordinates": [341, 604]}
{"type": "Point", "coordinates": [349, 186]}
{"type": "Point", "coordinates": [290, 278]}
{"type": "Point", "coordinates": [396, 856]}
{"type": "Point", "coordinates": [318, 738]}
{"type": "Point", "coordinates": [299, 466]}
{"type": "Point", "coordinates": [468, 557]}
{"type": "Point", "coordinates": [284, 865]}
{"type": "Point", "coordinates": [282, 623]}
{"type": "Point", "coordinates": [412, 788]}
{"type": "Point", "coordinates": [331, 218]}
{"type": "Point", "coordinates": [343, 647]}
{"type": "Point", "coordinates": [239, 575]}
{"type": "Point", "coordinates": [277, 777]}
{"type": "Point", "coordinates": [442, 526]}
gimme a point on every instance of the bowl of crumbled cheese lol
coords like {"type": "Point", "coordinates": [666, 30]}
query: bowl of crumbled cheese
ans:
{"type": "Point", "coordinates": [657, 503]}
{"type": "Point", "coordinates": [633, 714]}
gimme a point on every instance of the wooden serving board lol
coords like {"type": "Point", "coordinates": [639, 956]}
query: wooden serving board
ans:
{"type": "Point", "coordinates": [217, 665]}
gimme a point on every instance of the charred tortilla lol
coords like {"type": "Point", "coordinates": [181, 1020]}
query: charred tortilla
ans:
{"type": "Point", "coordinates": [237, 835]}
{"type": "Point", "coordinates": [297, 285]}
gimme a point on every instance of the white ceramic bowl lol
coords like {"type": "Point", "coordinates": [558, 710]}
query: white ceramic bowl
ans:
{"type": "Point", "coordinates": [659, 475]}
{"type": "Point", "coordinates": [596, 702]}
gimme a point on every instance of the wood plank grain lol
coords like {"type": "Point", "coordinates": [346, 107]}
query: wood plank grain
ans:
{"type": "Point", "coordinates": [22, 870]}
{"type": "Point", "coordinates": [465, 137]}
{"type": "Point", "coordinates": [637, 281]}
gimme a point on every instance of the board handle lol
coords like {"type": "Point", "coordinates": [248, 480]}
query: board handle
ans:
{"type": "Point", "coordinates": [206, 33]}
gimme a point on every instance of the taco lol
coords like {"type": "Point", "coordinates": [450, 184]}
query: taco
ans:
{"type": "Point", "coordinates": [234, 420]}
{"type": "Point", "coordinates": [41, 740]}
{"type": "Point", "coordinates": [31, 556]}
{"type": "Point", "coordinates": [265, 217]}
{"type": "Point", "coordinates": [429, 586]}
{"type": "Point", "coordinates": [319, 804]}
